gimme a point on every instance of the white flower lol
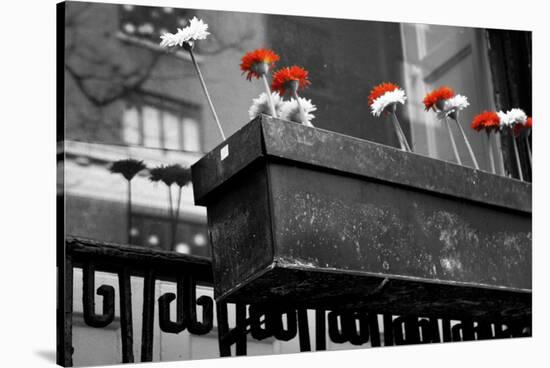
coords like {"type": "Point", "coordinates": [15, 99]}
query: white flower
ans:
{"type": "Point", "coordinates": [260, 105]}
{"type": "Point", "coordinates": [168, 40]}
{"type": "Point", "coordinates": [387, 99]}
{"type": "Point", "coordinates": [517, 116]}
{"type": "Point", "coordinates": [512, 117]}
{"type": "Point", "coordinates": [196, 30]}
{"type": "Point", "coordinates": [453, 104]}
{"type": "Point", "coordinates": [504, 120]}
{"type": "Point", "coordinates": [290, 111]}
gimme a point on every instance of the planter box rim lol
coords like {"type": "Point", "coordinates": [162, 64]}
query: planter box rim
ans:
{"type": "Point", "coordinates": [267, 138]}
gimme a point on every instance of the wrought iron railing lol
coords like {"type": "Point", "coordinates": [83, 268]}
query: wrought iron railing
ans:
{"type": "Point", "coordinates": [187, 272]}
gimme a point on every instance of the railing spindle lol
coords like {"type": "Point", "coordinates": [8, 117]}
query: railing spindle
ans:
{"type": "Point", "coordinates": [148, 317]}
{"type": "Point", "coordinates": [88, 299]}
{"type": "Point", "coordinates": [320, 330]}
{"type": "Point", "coordinates": [126, 328]}
{"type": "Point", "coordinates": [241, 329]}
{"type": "Point", "coordinates": [388, 329]}
{"type": "Point", "coordinates": [303, 330]}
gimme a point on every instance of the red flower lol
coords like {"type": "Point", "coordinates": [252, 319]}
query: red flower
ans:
{"type": "Point", "coordinates": [487, 120]}
{"type": "Point", "coordinates": [529, 123]}
{"type": "Point", "coordinates": [251, 60]}
{"type": "Point", "coordinates": [440, 94]}
{"type": "Point", "coordinates": [380, 89]}
{"type": "Point", "coordinates": [283, 76]}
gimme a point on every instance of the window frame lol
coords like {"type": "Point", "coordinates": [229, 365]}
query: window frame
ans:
{"type": "Point", "coordinates": [182, 110]}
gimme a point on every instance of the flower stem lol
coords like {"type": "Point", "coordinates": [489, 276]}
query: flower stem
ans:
{"type": "Point", "coordinates": [453, 143]}
{"type": "Point", "coordinates": [470, 150]}
{"type": "Point", "coordinates": [400, 135]}
{"type": "Point", "coordinates": [501, 150]}
{"type": "Point", "coordinates": [205, 90]}
{"type": "Point", "coordinates": [491, 155]}
{"type": "Point", "coordinates": [301, 109]}
{"type": "Point", "coordinates": [269, 97]}
{"type": "Point", "coordinates": [129, 212]}
{"type": "Point", "coordinates": [518, 162]}
{"type": "Point", "coordinates": [170, 211]}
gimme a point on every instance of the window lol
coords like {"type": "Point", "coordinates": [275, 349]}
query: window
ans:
{"type": "Point", "coordinates": [455, 56]}
{"type": "Point", "coordinates": [155, 232]}
{"type": "Point", "coordinates": [155, 122]}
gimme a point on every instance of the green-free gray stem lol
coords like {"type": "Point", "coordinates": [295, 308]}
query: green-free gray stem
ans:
{"type": "Point", "coordinates": [171, 210]}
{"type": "Point", "coordinates": [170, 207]}
{"type": "Point", "coordinates": [453, 143]}
{"type": "Point", "coordinates": [516, 151]}
{"type": "Point", "coordinates": [467, 143]}
{"type": "Point", "coordinates": [402, 139]}
{"type": "Point", "coordinates": [498, 143]}
{"type": "Point", "coordinates": [269, 97]}
{"type": "Point", "coordinates": [491, 156]}
{"type": "Point", "coordinates": [205, 90]}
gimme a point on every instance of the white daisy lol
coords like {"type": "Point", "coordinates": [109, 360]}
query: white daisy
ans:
{"type": "Point", "coordinates": [291, 111]}
{"type": "Point", "coordinates": [381, 103]}
{"type": "Point", "coordinates": [260, 105]}
{"type": "Point", "coordinates": [196, 30]}
{"type": "Point", "coordinates": [453, 104]}
{"type": "Point", "coordinates": [504, 119]}
{"type": "Point", "coordinates": [168, 40]}
{"type": "Point", "coordinates": [517, 116]}
{"type": "Point", "coordinates": [512, 117]}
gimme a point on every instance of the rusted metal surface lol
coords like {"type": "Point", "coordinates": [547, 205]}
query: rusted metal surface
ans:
{"type": "Point", "coordinates": [321, 220]}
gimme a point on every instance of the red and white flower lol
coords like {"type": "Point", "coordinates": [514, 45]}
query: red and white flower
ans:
{"type": "Point", "coordinates": [385, 95]}
{"type": "Point", "coordinates": [514, 119]}
{"type": "Point", "coordinates": [452, 105]}
{"type": "Point", "coordinates": [435, 100]}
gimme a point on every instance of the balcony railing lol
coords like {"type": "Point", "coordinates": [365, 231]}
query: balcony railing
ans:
{"type": "Point", "coordinates": [356, 326]}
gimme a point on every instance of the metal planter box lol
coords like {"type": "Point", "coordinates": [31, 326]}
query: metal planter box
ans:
{"type": "Point", "coordinates": [308, 217]}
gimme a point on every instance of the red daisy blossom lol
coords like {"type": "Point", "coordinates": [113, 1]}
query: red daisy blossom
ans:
{"type": "Point", "coordinates": [283, 76]}
{"type": "Point", "coordinates": [440, 94]}
{"type": "Point", "coordinates": [380, 89]}
{"type": "Point", "coordinates": [487, 120]}
{"type": "Point", "coordinates": [529, 123]}
{"type": "Point", "coordinates": [251, 60]}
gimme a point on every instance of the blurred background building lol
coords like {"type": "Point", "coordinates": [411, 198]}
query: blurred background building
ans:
{"type": "Point", "coordinates": [125, 97]}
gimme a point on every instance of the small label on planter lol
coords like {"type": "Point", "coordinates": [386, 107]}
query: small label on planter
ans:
{"type": "Point", "coordinates": [224, 152]}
